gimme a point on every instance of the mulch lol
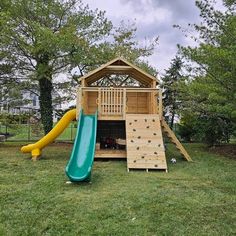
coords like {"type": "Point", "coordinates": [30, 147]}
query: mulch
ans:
{"type": "Point", "coordinates": [228, 150]}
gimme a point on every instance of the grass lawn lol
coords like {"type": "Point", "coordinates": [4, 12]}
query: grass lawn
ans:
{"type": "Point", "coordinates": [24, 132]}
{"type": "Point", "coordinates": [192, 199]}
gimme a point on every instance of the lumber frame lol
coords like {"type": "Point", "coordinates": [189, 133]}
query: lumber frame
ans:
{"type": "Point", "coordinates": [141, 107]}
{"type": "Point", "coordinates": [175, 140]}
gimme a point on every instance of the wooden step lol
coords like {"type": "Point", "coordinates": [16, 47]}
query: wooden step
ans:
{"type": "Point", "coordinates": [174, 140]}
{"type": "Point", "coordinates": [147, 166]}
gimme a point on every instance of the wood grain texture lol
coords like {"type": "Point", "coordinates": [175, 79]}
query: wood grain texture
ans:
{"type": "Point", "coordinates": [145, 148]}
{"type": "Point", "coordinates": [119, 66]}
{"type": "Point", "coordinates": [108, 153]}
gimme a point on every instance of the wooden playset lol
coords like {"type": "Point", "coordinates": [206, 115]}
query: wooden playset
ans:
{"type": "Point", "coordinates": [129, 106]}
{"type": "Point", "coordinates": [119, 114]}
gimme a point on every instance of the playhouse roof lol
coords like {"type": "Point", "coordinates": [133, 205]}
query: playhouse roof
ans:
{"type": "Point", "coordinates": [119, 66]}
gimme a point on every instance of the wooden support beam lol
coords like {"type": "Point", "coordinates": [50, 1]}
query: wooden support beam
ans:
{"type": "Point", "coordinates": [160, 104]}
{"type": "Point", "coordinates": [110, 80]}
{"type": "Point", "coordinates": [78, 102]}
{"type": "Point", "coordinates": [118, 68]}
{"type": "Point", "coordinates": [174, 140]}
{"type": "Point", "coordinates": [99, 101]}
{"type": "Point", "coordinates": [122, 82]}
{"type": "Point", "coordinates": [83, 83]}
{"type": "Point", "coordinates": [124, 103]}
{"type": "Point", "coordinates": [106, 153]}
{"type": "Point", "coordinates": [131, 89]}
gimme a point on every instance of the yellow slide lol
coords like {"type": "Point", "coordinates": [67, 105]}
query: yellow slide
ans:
{"type": "Point", "coordinates": [36, 148]}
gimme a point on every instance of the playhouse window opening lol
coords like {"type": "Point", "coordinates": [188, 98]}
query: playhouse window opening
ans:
{"type": "Point", "coordinates": [111, 134]}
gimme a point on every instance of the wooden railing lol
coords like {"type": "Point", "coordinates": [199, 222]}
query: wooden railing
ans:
{"type": "Point", "coordinates": [113, 101]}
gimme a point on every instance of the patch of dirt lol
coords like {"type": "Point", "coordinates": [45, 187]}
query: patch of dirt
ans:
{"type": "Point", "coordinates": [228, 150]}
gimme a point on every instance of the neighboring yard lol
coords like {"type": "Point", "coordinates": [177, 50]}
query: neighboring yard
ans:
{"type": "Point", "coordinates": [23, 132]}
{"type": "Point", "coordinates": [192, 199]}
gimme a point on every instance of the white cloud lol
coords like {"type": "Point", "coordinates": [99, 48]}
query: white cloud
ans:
{"type": "Point", "coordinates": [153, 18]}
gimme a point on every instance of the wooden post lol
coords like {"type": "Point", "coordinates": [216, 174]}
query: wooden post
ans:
{"type": "Point", "coordinates": [109, 102]}
{"type": "Point", "coordinates": [149, 103]}
{"type": "Point", "coordinates": [78, 102]}
{"type": "Point", "coordinates": [83, 83]}
{"type": "Point", "coordinates": [160, 104]}
{"type": "Point", "coordinates": [124, 103]}
{"type": "Point", "coordinates": [116, 101]}
{"type": "Point", "coordinates": [99, 102]}
{"type": "Point", "coordinates": [102, 103]}
{"type": "Point", "coordinates": [155, 104]}
{"type": "Point", "coordinates": [154, 98]}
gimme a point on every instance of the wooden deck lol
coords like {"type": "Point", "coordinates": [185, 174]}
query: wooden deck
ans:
{"type": "Point", "coordinates": [139, 104]}
{"type": "Point", "coordinates": [114, 103]}
{"type": "Point", "coordinates": [109, 153]}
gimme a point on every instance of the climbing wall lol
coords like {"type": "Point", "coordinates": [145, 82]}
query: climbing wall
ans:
{"type": "Point", "coordinates": [145, 148]}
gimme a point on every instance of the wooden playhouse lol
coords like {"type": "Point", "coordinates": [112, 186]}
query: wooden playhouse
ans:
{"type": "Point", "coordinates": [129, 106]}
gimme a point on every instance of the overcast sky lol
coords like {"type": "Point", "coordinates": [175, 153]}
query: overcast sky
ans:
{"type": "Point", "coordinates": [153, 18]}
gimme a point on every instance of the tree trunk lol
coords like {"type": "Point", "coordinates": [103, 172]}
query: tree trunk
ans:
{"type": "Point", "coordinates": [45, 101]}
{"type": "Point", "coordinates": [172, 120]}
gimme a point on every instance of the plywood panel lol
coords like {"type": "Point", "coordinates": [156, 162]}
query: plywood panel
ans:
{"type": "Point", "coordinates": [91, 102]}
{"type": "Point", "coordinates": [147, 166]}
{"type": "Point", "coordinates": [145, 148]}
{"type": "Point", "coordinates": [137, 103]}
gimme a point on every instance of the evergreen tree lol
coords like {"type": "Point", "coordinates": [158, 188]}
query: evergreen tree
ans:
{"type": "Point", "coordinates": [210, 93]}
{"type": "Point", "coordinates": [170, 90]}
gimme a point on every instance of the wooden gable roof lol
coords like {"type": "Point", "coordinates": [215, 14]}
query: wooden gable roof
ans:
{"type": "Point", "coordinates": [119, 66]}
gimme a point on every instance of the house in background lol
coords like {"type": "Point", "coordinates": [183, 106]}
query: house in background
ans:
{"type": "Point", "coordinates": [26, 102]}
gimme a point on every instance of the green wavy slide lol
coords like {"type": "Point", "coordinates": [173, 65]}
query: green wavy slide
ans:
{"type": "Point", "coordinates": [80, 164]}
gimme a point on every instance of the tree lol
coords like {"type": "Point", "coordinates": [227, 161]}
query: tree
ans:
{"type": "Point", "coordinates": [41, 39]}
{"type": "Point", "coordinates": [122, 43]}
{"type": "Point", "coordinates": [170, 82]}
{"type": "Point", "coordinates": [211, 90]}
{"type": "Point", "coordinates": [38, 39]}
